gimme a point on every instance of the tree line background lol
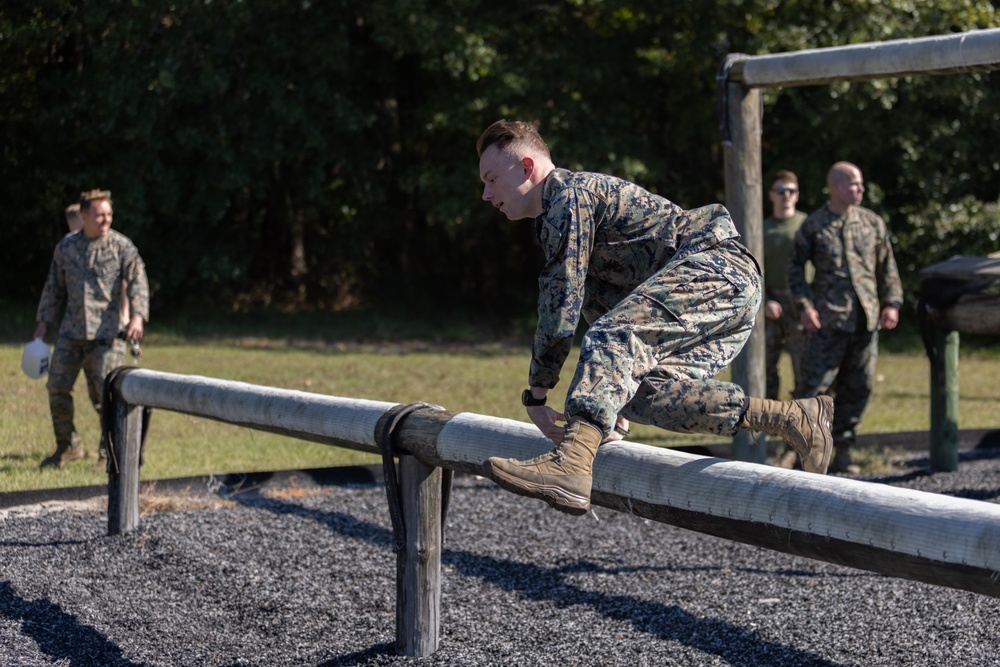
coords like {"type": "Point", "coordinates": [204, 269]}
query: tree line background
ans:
{"type": "Point", "coordinates": [320, 154]}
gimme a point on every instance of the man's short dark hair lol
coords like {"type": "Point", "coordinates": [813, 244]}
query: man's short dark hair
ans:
{"type": "Point", "coordinates": [506, 133]}
{"type": "Point", "coordinates": [783, 175]}
{"type": "Point", "coordinates": [93, 195]}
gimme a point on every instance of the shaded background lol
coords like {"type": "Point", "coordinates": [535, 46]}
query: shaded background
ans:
{"type": "Point", "coordinates": [320, 156]}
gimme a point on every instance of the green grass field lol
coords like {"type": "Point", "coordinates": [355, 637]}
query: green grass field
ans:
{"type": "Point", "coordinates": [484, 379]}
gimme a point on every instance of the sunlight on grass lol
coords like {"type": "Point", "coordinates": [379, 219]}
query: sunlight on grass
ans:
{"type": "Point", "coordinates": [485, 380]}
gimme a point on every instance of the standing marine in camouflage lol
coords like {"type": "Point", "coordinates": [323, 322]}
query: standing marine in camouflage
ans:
{"type": "Point", "coordinates": [89, 270]}
{"type": "Point", "coordinates": [856, 289]}
{"type": "Point", "coordinates": [670, 296]}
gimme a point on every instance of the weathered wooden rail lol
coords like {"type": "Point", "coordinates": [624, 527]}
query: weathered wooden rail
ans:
{"type": "Point", "coordinates": [898, 532]}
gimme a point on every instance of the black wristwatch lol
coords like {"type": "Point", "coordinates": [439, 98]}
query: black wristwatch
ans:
{"type": "Point", "coordinates": [528, 400]}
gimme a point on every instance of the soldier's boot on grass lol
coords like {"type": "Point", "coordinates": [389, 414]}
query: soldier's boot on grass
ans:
{"type": "Point", "coordinates": [842, 462]}
{"type": "Point", "coordinates": [804, 424]}
{"type": "Point", "coordinates": [101, 462]}
{"type": "Point", "coordinates": [63, 456]}
{"type": "Point", "coordinates": [563, 477]}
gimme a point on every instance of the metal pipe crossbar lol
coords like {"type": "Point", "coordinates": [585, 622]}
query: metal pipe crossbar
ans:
{"type": "Point", "coordinates": [899, 532]}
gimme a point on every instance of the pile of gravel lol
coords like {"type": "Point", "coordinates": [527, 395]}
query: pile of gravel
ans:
{"type": "Point", "coordinates": [305, 575]}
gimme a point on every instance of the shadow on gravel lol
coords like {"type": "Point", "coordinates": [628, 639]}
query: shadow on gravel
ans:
{"type": "Point", "coordinates": [344, 524]}
{"type": "Point", "coordinates": [360, 657]}
{"type": "Point", "coordinates": [734, 644]}
{"type": "Point", "coordinates": [898, 478]}
{"type": "Point", "coordinates": [55, 543]}
{"type": "Point", "coordinates": [921, 465]}
{"type": "Point", "coordinates": [58, 634]}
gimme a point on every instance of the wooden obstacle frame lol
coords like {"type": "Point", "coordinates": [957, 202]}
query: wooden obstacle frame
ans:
{"type": "Point", "coordinates": [897, 532]}
{"type": "Point", "coordinates": [955, 299]}
{"type": "Point", "coordinates": [740, 79]}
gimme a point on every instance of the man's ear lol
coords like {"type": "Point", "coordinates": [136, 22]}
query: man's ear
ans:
{"type": "Point", "coordinates": [529, 167]}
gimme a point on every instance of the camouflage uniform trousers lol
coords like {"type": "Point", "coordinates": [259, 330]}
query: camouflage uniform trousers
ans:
{"type": "Point", "coordinates": [840, 364]}
{"type": "Point", "coordinates": [782, 334]}
{"type": "Point", "coordinates": [97, 358]}
{"type": "Point", "coordinates": [651, 358]}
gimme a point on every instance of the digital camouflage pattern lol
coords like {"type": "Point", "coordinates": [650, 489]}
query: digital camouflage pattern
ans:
{"type": "Point", "coordinates": [855, 277]}
{"type": "Point", "coordinates": [97, 358]}
{"type": "Point", "coordinates": [670, 294]}
{"type": "Point", "coordinates": [87, 275]}
{"type": "Point", "coordinates": [784, 333]}
{"type": "Point", "coordinates": [854, 266]}
{"type": "Point", "coordinates": [840, 364]}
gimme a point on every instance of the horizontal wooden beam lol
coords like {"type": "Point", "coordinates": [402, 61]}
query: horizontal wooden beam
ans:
{"type": "Point", "coordinates": [971, 314]}
{"type": "Point", "coordinates": [963, 267]}
{"type": "Point", "coordinates": [910, 534]}
{"type": "Point", "coordinates": [977, 50]}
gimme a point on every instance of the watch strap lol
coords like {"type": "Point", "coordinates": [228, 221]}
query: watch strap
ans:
{"type": "Point", "coordinates": [528, 400]}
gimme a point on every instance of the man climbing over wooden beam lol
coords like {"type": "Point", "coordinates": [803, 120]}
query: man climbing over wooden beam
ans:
{"type": "Point", "coordinates": [670, 296]}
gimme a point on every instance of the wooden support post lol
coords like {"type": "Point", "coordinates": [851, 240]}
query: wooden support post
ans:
{"type": "Point", "coordinates": [418, 565]}
{"type": "Point", "coordinates": [744, 195]}
{"type": "Point", "coordinates": [123, 483]}
{"type": "Point", "coordinates": [944, 401]}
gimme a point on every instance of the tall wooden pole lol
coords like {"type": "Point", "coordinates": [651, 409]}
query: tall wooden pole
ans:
{"type": "Point", "coordinates": [123, 479]}
{"type": "Point", "coordinates": [944, 401]}
{"type": "Point", "coordinates": [418, 565]}
{"type": "Point", "coordinates": [744, 195]}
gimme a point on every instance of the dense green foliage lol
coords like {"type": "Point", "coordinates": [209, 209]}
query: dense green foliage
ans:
{"type": "Point", "coordinates": [321, 154]}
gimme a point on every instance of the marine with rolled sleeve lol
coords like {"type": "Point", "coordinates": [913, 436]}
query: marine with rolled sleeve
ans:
{"type": "Point", "coordinates": [671, 297]}
{"type": "Point", "coordinates": [623, 257]}
{"type": "Point", "coordinates": [87, 275]}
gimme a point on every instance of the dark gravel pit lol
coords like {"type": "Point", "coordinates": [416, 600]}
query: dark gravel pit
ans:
{"type": "Point", "coordinates": [305, 575]}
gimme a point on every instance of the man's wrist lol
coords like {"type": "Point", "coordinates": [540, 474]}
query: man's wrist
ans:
{"type": "Point", "coordinates": [528, 399]}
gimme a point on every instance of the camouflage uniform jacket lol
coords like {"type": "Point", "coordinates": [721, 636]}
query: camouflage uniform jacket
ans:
{"type": "Point", "coordinates": [854, 266]}
{"type": "Point", "coordinates": [87, 275]}
{"type": "Point", "coordinates": [602, 237]}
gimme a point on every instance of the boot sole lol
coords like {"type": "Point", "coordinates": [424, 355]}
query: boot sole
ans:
{"type": "Point", "coordinates": [824, 421]}
{"type": "Point", "coordinates": [557, 497]}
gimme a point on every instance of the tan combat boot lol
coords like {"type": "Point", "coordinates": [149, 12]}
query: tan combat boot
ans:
{"type": "Point", "coordinates": [804, 424]}
{"type": "Point", "coordinates": [63, 456]}
{"type": "Point", "coordinates": [562, 477]}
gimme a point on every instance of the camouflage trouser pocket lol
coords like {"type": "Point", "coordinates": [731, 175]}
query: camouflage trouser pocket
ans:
{"type": "Point", "coordinates": [96, 358]}
{"type": "Point", "coordinates": [685, 324]}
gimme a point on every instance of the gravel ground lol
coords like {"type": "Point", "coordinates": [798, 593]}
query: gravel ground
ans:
{"type": "Point", "coordinates": [303, 574]}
